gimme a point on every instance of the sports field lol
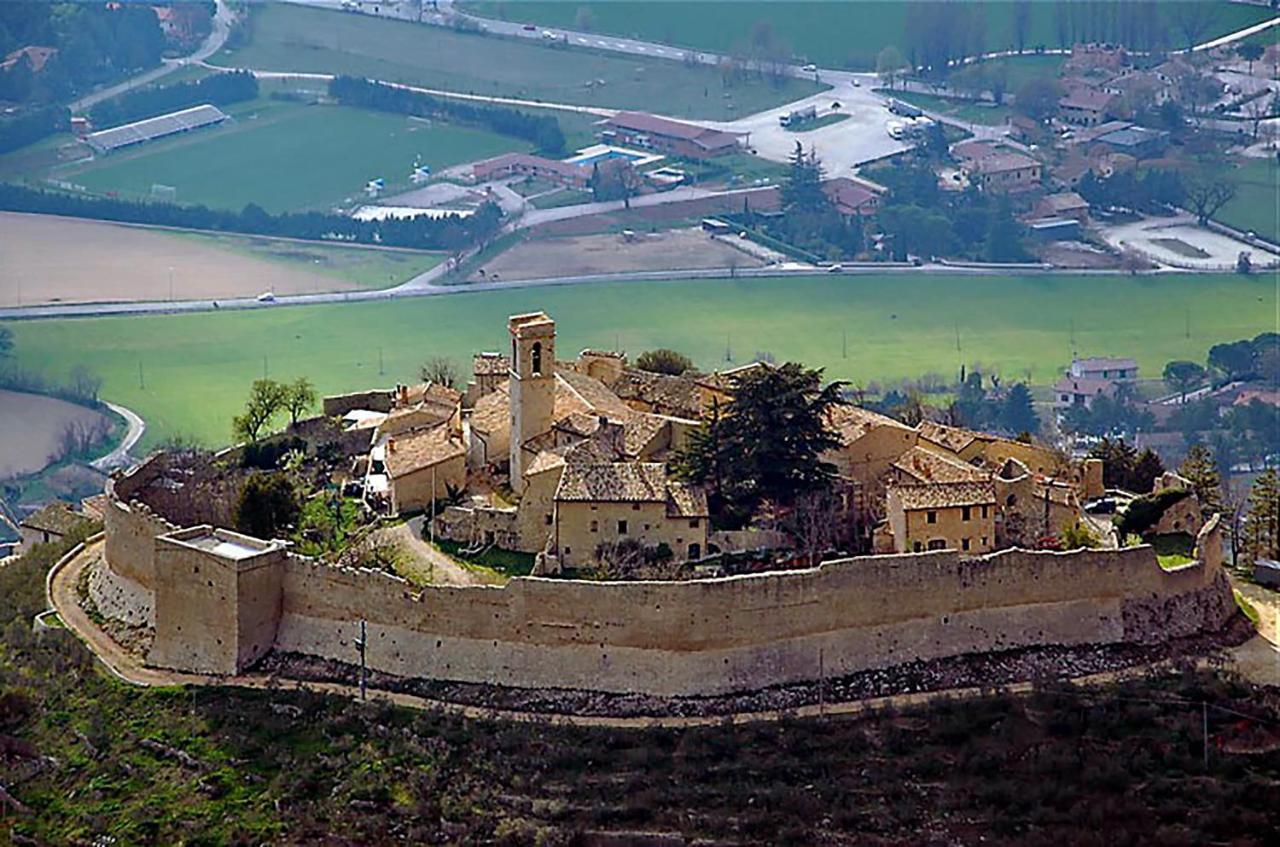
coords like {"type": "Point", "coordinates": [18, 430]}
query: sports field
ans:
{"type": "Point", "coordinates": [196, 368]}
{"type": "Point", "coordinates": [287, 156]}
{"type": "Point", "coordinates": [294, 38]}
{"type": "Point", "coordinates": [835, 34]}
{"type": "Point", "coordinates": [46, 259]}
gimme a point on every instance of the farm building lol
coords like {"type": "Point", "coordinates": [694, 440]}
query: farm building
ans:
{"type": "Point", "coordinates": [149, 129]}
{"type": "Point", "coordinates": [526, 164]}
{"type": "Point", "coordinates": [639, 129]}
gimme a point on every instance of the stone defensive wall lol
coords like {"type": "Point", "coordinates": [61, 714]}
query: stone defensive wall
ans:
{"type": "Point", "coordinates": [689, 638]}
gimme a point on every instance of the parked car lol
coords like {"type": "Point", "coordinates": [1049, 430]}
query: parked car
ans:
{"type": "Point", "coordinates": [266, 297]}
{"type": "Point", "coordinates": [810, 68]}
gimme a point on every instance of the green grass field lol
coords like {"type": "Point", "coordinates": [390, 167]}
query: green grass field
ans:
{"type": "Point", "coordinates": [196, 369]}
{"type": "Point", "coordinates": [366, 268]}
{"type": "Point", "coordinates": [288, 156]}
{"type": "Point", "coordinates": [294, 38]}
{"type": "Point", "coordinates": [1256, 205]}
{"type": "Point", "coordinates": [843, 34]}
{"type": "Point", "coordinates": [958, 109]}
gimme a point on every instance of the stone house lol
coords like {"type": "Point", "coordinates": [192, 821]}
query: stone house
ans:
{"type": "Point", "coordinates": [421, 467]}
{"type": "Point", "coordinates": [1006, 172]}
{"type": "Point", "coordinates": [1085, 106]}
{"type": "Point", "coordinates": [1064, 204]}
{"type": "Point", "coordinates": [52, 523]}
{"type": "Point", "coordinates": [638, 129]}
{"type": "Point", "coordinates": [603, 503]}
{"type": "Point", "coordinates": [941, 516]}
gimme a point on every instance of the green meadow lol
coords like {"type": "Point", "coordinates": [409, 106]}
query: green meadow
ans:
{"type": "Point", "coordinates": [1256, 205]}
{"type": "Point", "coordinates": [295, 38]}
{"type": "Point", "coordinates": [834, 34]}
{"type": "Point", "coordinates": [287, 156]}
{"type": "Point", "coordinates": [187, 374]}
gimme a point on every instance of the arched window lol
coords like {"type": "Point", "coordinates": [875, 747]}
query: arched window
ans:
{"type": "Point", "coordinates": [1012, 501]}
{"type": "Point", "coordinates": [537, 358]}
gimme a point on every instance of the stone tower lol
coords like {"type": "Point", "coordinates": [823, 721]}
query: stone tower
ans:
{"type": "Point", "coordinates": [532, 386]}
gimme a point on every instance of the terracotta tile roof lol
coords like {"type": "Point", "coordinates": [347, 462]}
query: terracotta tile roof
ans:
{"type": "Point", "coordinates": [709, 139]}
{"type": "Point", "coordinates": [493, 411]}
{"type": "Point", "coordinates": [942, 495]}
{"type": "Point", "coordinates": [953, 438]}
{"type": "Point", "coordinates": [56, 518]}
{"type": "Point", "coordinates": [853, 422]}
{"type": "Point", "coordinates": [927, 466]}
{"type": "Point", "coordinates": [584, 393]}
{"type": "Point", "coordinates": [545, 461]}
{"type": "Point", "coordinates": [490, 364]}
{"type": "Point", "coordinates": [686, 501]}
{"type": "Point", "coordinates": [613, 482]}
{"type": "Point", "coordinates": [639, 430]}
{"type": "Point", "coordinates": [1004, 161]}
{"type": "Point", "coordinates": [413, 451]}
{"type": "Point", "coordinates": [1086, 99]}
{"type": "Point", "coordinates": [513, 160]}
{"type": "Point", "coordinates": [667, 395]}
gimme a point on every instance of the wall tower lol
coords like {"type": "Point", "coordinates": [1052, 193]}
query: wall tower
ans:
{"type": "Point", "coordinates": [532, 386]}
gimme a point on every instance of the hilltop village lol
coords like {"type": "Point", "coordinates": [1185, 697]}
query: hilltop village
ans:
{"type": "Point", "coordinates": [566, 459]}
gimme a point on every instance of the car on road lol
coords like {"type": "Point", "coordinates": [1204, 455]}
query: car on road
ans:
{"type": "Point", "coordinates": [529, 28]}
{"type": "Point", "coordinates": [266, 297]}
{"type": "Point", "coordinates": [810, 68]}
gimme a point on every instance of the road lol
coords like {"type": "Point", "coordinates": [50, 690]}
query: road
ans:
{"type": "Point", "coordinates": [119, 457]}
{"type": "Point", "coordinates": [222, 20]}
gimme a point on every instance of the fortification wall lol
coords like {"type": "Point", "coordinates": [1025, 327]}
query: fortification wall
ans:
{"type": "Point", "coordinates": [713, 636]}
{"type": "Point", "coordinates": [716, 636]}
{"type": "Point", "coordinates": [132, 527]}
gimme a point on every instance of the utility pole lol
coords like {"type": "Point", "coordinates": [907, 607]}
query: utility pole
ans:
{"type": "Point", "coordinates": [361, 644]}
{"type": "Point", "coordinates": [381, 372]}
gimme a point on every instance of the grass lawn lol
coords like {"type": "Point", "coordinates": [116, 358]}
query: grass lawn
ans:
{"type": "Point", "coordinates": [500, 564]}
{"type": "Point", "coordinates": [287, 37]}
{"type": "Point", "coordinates": [844, 34]}
{"type": "Point", "coordinates": [562, 197]}
{"type": "Point", "coordinates": [366, 268]}
{"type": "Point", "coordinates": [961, 110]}
{"type": "Point", "coordinates": [1255, 206]}
{"type": "Point", "coordinates": [288, 156]}
{"type": "Point", "coordinates": [1174, 549]}
{"type": "Point", "coordinates": [825, 120]}
{"type": "Point", "coordinates": [196, 369]}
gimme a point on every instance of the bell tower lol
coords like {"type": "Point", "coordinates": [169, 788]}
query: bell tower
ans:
{"type": "Point", "coordinates": [532, 385]}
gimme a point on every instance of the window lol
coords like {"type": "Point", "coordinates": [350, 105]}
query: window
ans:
{"type": "Point", "coordinates": [695, 551]}
{"type": "Point", "coordinates": [964, 544]}
{"type": "Point", "coordinates": [622, 527]}
{"type": "Point", "coordinates": [984, 541]}
{"type": "Point", "coordinates": [537, 358]}
{"type": "Point", "coordinates": [915, 546]}
{"type": "Point", "coordinates": [595, 526]}
{"type": "Point", "coordinates": [635, 507]}
{"type": "Point", "coordinates": [931, 517]}
{"type": "Point", "coordinates": [546, 519]}
{"type": "Point", "coordinates": [965, 513]}
{"type": "Point", "coordinates": [693, 523]}
{"type": "Point", "coordinates": [984, 511]}
{"type": "Point", "coordinates": [938, 544]}
{"type": "Point", "coordinates": [1012, 500]}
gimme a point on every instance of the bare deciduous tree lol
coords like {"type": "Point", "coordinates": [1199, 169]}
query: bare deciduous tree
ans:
{"type": "Point", "coordinates": [1207, 196]}
{"type": "Point", "coordinates": [440, 370]}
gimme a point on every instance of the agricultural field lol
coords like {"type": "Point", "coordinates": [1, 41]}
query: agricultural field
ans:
{"type": "Point", "coordinates": [293, 38]}
{"type": "Point", "coordinates": [33, 425]}
{"type": "Point", "coordinates": [187, 374]}
{"type": "Point", "coordinates": [838, 35]}
{"type": "Point", "coordinates": [287, 156]}
{"type": "Point", "coordinates": [45, 259]}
